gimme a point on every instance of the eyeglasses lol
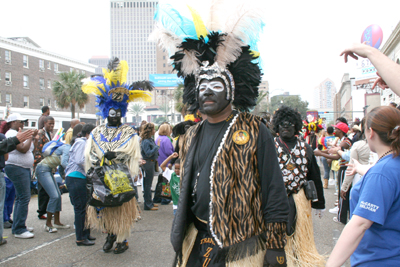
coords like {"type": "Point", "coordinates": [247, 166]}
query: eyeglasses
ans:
{"type": "Point", "coordinates": [286, 124]}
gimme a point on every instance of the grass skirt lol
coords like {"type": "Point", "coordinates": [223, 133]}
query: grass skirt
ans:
{"type": "Point", "coordinates": [300, 247]}
{"type": "Point", "coordinates": [113, 220]}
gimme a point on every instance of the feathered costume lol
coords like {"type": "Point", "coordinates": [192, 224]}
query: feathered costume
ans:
{"type": "Point", "coordinates": [112, 91]}
{"type": "Point", "coordinates": [219, 50]}
{"type": "Point", "coordinates": [224, 48]}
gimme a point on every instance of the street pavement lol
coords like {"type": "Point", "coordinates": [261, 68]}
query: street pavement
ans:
{"type": "Point", "coordinates": [149, 244]}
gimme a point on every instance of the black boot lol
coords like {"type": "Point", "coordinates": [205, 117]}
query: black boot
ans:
{"type": "Point", "coordinates": [121, 247]}
{"type": "Point", "coordinates": [109, 243]}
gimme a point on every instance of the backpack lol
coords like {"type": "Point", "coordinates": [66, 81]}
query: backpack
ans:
{"type": "Point", "coordinates": [49, 148]}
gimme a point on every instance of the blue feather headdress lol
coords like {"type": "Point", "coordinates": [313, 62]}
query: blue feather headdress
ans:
{"type": "Point", "coordinates": [224, 48]}
{"type": "Point", "coordinates": [112, 91]}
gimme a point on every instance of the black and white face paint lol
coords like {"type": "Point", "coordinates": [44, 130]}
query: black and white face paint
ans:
{"type": "Point", "coordinates": [215, 86]}
{"type": "Point", "coordinates": [212, 96]}
{"type": "Point", "coordinates": [114, 117]}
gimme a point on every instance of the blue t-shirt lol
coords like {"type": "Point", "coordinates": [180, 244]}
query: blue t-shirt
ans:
{"type": "Point", "coordinates": [377, 198]}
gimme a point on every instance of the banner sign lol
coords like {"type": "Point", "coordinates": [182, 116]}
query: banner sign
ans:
{"type": "Point", "coordinates": [165, 80]}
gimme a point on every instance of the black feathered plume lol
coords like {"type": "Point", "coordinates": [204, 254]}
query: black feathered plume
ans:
{"type": "Point", "coordinates": [113, 64]}
{"type": "Point", "coordinates": [142, 85]}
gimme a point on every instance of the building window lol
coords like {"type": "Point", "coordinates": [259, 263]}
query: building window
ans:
{"type": "Point", "coordinates": [41, 102]}
{"type": "Point", "coordinates": [55, 67]}
{"type": "Point", "coordinates": [55, 104]}
{"type": "Point", "coordinates": [49, 65]}
{"type": "Point", "coordinates": [49, 102]}
{"type": "Point", "coordinates": [8, 57]}
{"type": "Point", "coordinates": [41, 83]}
{"type": "Point", "coordinates": [26, 81]}
{"type": "Point", "coordinates": [41, 65]}
{"type": "Point", "coordinates": [8, 78]}
{"type": "Point", "coordinates": [26, 101]}
{"type": "Point", "coordinates": [84, 72]}
{"type": "Point", "coordinates": [25, 60]}
{"type": "Point", "coordinates": [71, 69]}
{"type": "Point", "coordinates": [8, 98]}
{"type": "Point", "coordinates": [33, 124]}
{"type": "Point", "coordinates": [49, 84]}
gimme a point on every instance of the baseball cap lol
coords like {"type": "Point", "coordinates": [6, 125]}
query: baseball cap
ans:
{"type": "Point", "coordinates": [342, 126]}
{"type": "Point", "coordinates": [16, 117]}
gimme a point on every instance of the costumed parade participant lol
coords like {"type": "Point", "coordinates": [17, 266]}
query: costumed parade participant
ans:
{"type": "Point", "coordinates": [312, 128]}
{"type": "Point", "coordinates": [118, 144]}
{"type": "Point", "coordinates": [298, 165]}
{"type": "Point", "coordinates": [233, 206]}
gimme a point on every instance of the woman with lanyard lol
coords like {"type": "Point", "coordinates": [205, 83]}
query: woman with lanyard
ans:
{"type": "Point", "coordinates": [372, 236]}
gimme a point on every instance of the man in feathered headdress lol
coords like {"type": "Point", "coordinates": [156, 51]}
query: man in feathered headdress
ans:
{"type": "Point", "coordinates": [233, 206]}
{"type": "Point", "coordinates": [117, 142]}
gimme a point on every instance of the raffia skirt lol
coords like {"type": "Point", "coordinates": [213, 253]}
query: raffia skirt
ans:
{"type": "Point", "coordinates": [114, 220]}
{"type": "Point", "coordinates": [300, 247]}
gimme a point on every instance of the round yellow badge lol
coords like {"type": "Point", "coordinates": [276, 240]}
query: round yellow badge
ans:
{"type": "Point", "coordinates": [241, 137]}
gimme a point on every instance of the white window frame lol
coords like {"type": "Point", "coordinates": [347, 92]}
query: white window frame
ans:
{"type": "Point", "coordinates": [41, 64]}
{"type": "Point", "coordinates": [40, 83]}
{"type": "Point", "coordinates": [9, 81]}
{"type": "Point", "coordinates": [25, 61]}
{"type": "Point", "coordinates": [49, 65]}
{"type": "Point", "coordinates": [27, 105]}
{"type": "Point", "coordinates": [41, 102]}
{"type": "Point", "coordinates": [55, 67]}
{"type": "Point", "coordinates": [10, 100]}
{"type": "Point", "coordinates": [71, 69]}
{"type": "Point", "coordinates": [25, 82]}
{"type": "Point", "coordinates": [49, 84]}
{"type": "Point", "coordinates": [49, 102]}
{"type": "Point", "coordinates": [7, 56]}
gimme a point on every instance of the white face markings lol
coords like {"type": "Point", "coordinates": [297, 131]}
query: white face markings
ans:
{"type": "Point", "coordinates": [215, 86]}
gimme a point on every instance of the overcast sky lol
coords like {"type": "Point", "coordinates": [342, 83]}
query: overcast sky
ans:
{"type": "Point", "coordinates": [300, 45]}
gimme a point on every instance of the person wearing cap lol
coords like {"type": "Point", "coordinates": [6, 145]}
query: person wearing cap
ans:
{"type": "Point", "coordinates": [18, 170]}
{"type": "Point", "coordinates": [341, 130]}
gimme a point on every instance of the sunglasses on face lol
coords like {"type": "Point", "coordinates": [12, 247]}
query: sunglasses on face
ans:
{"type": "Point", "coordinates": [286, 124]}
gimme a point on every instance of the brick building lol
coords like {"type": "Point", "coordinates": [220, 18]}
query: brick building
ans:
{"type": "Point", "coordinates": [27, 73]}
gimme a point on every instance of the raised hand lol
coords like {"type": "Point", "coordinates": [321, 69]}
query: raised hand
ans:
{"type": "Point", "coordinates": [23, 136]}
{"type": "Point", "coordinates": [380, 82]}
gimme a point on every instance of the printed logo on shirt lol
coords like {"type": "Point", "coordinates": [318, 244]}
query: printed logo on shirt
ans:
{"type": "Point", "coordinates": [369, 206]}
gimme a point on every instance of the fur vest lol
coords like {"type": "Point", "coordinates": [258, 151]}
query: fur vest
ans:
{"type": "Point", "coordinates": [236, 219]}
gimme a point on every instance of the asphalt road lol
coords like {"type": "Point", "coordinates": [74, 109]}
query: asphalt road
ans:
{"type": "Point", "coordinates": [149, 243]}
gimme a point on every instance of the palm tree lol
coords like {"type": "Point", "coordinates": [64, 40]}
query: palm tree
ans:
{"type": "Point", "coordinates": [67, 91]}
{"type": "Point", "coordinates": [178, 94]}
{"type": "Point", "coordinates": [137, 109]}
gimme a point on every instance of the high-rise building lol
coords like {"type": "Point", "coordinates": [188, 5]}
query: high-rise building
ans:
{"type": "Point", "coordinates": [101, 62]}
{"type": "Point", "coordinates": [131, 24]}
{"type": "Point", "coordinates": [324, 94]}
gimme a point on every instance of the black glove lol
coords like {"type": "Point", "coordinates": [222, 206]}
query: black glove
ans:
{"type": "Point", "coordinates": [275, 258]}
{"type": "Point", "coordinates": [110, 155]}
